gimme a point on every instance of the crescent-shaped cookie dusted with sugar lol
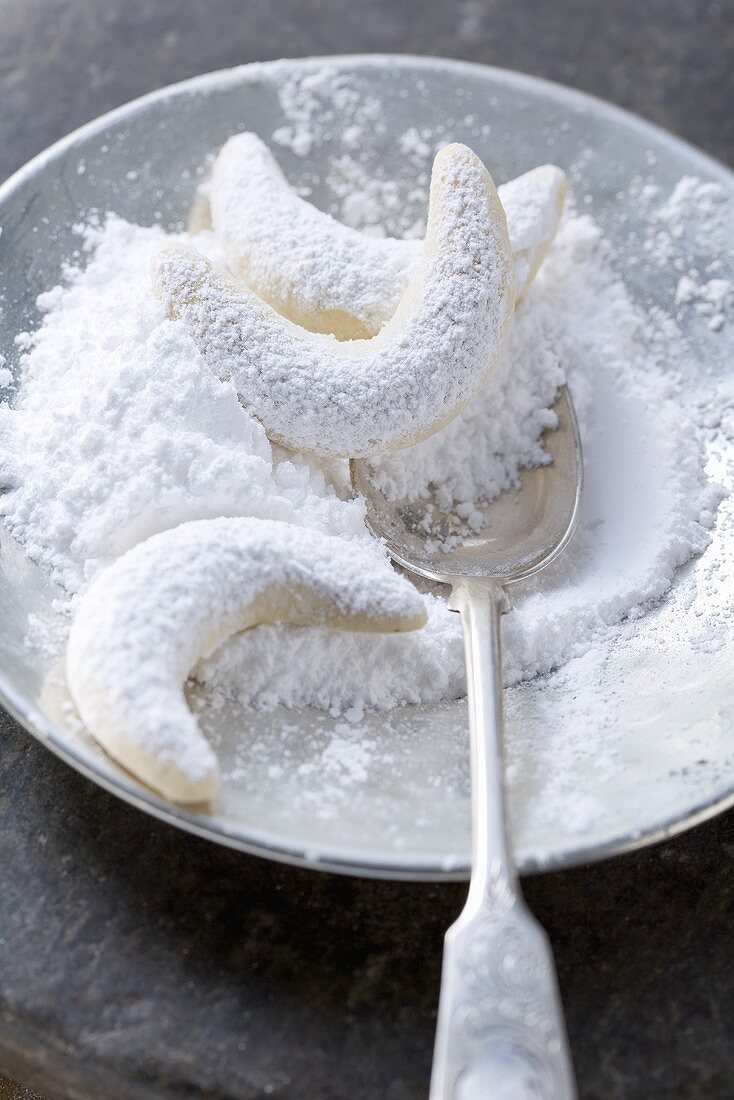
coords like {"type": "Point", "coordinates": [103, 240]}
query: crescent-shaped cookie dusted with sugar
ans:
{"type": "Point", "coordinates": [149, 617]}
{"type": "Point", "coordinates": [359, 398]}
{"type": "Point", "coordinates": [331, 278]}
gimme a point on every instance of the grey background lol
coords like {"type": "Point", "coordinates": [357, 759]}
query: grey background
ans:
{"type": "Point", "coordinates": [139, 962]}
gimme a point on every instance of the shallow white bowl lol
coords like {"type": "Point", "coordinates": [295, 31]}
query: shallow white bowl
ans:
{"type": "Point", "coordinates": [672, 729]}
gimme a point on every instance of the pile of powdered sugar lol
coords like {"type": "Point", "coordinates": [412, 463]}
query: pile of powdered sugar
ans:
{"type": "Point", "coordinates": [121, 430]}
{"type": "Point", "coordinates": [117, 431]}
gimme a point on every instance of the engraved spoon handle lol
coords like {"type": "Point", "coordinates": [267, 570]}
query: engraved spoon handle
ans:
{"type": "Point", "coordinates": [500, 1032]}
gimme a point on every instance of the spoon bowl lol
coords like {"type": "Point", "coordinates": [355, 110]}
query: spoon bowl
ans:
{"type": "Point", "coordinates": [522, 531]}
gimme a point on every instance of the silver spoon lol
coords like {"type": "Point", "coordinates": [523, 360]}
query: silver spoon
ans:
{"type": "Point", "coordinates": [500, 1033]}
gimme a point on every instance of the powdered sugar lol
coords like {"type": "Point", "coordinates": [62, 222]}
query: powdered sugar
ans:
{"type": "Point", "coordinates": [118, 431]}
{"type": "Point", "coordinates": [277, 665]}
{"type": "Point", "coordinates": [577, 320]}
{"type": "Point", "coordinates": [316, 104]}
{"type": "Point", "coordinates": [713, 299]}
{"type": "Point", "coordinates": [703, 211]}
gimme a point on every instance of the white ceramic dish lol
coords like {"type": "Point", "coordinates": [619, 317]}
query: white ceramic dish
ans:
{"type": "Point", "coordinates": [404, 812]}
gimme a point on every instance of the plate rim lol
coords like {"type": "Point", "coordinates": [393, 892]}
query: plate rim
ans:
{"type": "Point", "coordinates": [333, 858]}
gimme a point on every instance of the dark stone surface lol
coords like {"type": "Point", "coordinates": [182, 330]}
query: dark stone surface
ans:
{"type": "Point", "coordinates": [62, 62]}
{"type": "Point", "coordinates": [136, 961]}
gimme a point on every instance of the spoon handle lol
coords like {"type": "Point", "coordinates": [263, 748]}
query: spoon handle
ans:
{"type": "Point", "coordinates": [500, 1032]}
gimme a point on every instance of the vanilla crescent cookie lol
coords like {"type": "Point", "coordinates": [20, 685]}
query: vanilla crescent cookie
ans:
{"type": "Point", "coordinates": [147, 619]}
{"type": "Point", "coordinates": [357, 398]}
{"type": "Point", "coordinates": [328, 277]}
